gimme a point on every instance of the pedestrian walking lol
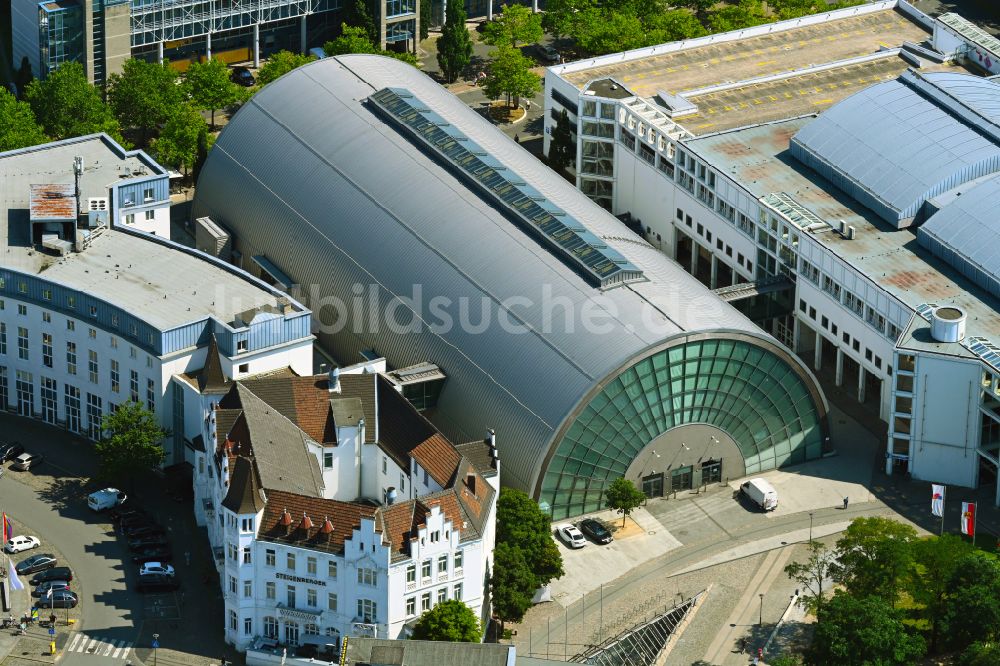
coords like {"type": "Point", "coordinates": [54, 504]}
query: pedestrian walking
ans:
{"type": "Point", "coordinates": [34, 615]}
{"type": "Point", "coordinates": [24, 627]}
{"type": "Point", "coordinates": [527, 105]}
{"type": "Point", "coordinates": [845, 503]}
{"type": "Point", "coordinates": [52, 620]}
{"type": "Point", "coordinates": [517, 139]}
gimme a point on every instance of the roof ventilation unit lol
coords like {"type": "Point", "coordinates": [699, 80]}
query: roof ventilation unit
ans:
{"type": "Point", "coordinates": [842, 228]}
{"type": "Point", "coordinates": [948, 324]}
{"type": "Point", "coordinates": [851, 232]}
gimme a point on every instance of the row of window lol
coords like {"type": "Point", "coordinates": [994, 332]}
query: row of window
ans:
{"type": "Point", "coordinates": [854, 343]}
{"type": "Point", "coordinates": [25, 394]}
{"type": "Point", "coordinates": [292, 629]}
{"type": "Point", "coordinates": [425, 599]}
{"type": "Point", "coordinates": [148, 215]}
{"type": "Point", "coordinates": [850, 300]}
{"type": "Point", "coordinates": [427, 566]}
{"type": "Point", "coordinates": [719, 244]}
{"type": "Point", "coordinates": [70, 302]}
{"type": "Point", "coordinates": [312, 563]}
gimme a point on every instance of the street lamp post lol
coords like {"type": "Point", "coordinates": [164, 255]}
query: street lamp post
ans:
{"type": "Point", "coordinates": [156, 644]}
{"type": "Point", "coordinates": [810, 527]}
{"type": "Point", "coordinates": [760, 622]}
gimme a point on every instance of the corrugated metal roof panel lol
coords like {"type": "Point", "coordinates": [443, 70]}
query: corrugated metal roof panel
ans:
{"type": "Point", "coordinates": [52, 202]}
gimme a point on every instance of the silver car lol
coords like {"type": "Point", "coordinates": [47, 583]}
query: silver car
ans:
{"type": "Point", "coordinates": [26, 461]}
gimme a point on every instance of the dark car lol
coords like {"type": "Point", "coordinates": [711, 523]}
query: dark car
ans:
{"type": "Point", "coordinates": [139, 531]}
{"type": "Point", "coordinates": [242, 76]}
{"type": "Point", "coordinates": [10, 451]}
{"type": "Point", "coordinates": [43, 588]}
{"type": "Point", "coordinates": [548, 54]}
{"type": "Point", "coordinates": [60, 599]}
{"type": "Point", "coordinates": [151, 554]}
{"type": "Point", "coordinates": [156, 583]}
{"type": "Point", "coordinates": [595, 530]}
{"type": "Point", "coordinates": [140, 543]}
{"type": "Point", "coordinates": [35, 563]}
{"type": "Point", "coordinates": [135, 522]}
{"type": "Point", "coordinates": [55, 573]}
{"type": "Point", "coordinates": [120, 514]}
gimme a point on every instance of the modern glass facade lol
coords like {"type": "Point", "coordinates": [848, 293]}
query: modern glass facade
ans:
{"type": "Point", "coordinates": [735, 385]}
{"type": "Point", "coordinates": [60, 26]}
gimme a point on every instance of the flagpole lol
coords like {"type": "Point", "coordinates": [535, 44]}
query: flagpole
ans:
{"type": "Point", "coordinates": [944, 491]}
{"type": "Point", "coordinates": [975, 517]}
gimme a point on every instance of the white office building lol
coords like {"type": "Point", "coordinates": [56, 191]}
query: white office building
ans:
{"type": "Point", "coordinates": [335, 509]}
{"type": "Point", "coordinates": [847, 205]}
{"type": "Point", "coordinates": [97, 310]}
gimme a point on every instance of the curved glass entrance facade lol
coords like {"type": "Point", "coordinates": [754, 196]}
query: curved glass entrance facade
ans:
{"type": "Point", "coordinates": [735, 385]}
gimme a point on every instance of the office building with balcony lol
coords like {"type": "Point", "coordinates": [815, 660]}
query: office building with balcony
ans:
{"type": "Point", "coordinates": [842, 205]}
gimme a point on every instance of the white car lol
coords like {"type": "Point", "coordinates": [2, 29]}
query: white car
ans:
{"type": "Point", "coordinates": [571, 536]}
{"type": "Point", "coordinates": [156, 568]}
{"type": "Point", "coordinates": [19, 543]}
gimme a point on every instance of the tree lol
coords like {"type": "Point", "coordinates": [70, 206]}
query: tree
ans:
{"type": "Point", "coordinates": [981, 654]}
{"type": "Point", "coordinates": [516, 25]}
{"type": "Point", "coordinates": [862, 632]}
{"type": "Point", "coordinates": [177, 145]}
{"type": "Point", "coordinates": [562, 148]}
{"type": "Point", "coordinates": [454, 45]}
{"type": "Point", "coordinates": [360, 14]}
{"type": "Point", "coordinates": [560, 17]}
{"type": "Point", "coordinates": [813, 575]}
{"type": "Point", "coordinates": [736, 17]}
{"type": "Point", "coordinates": [510, 74]}
{"type": "Point", "coordinates": [351, 40]}
{"type": "Point", "coordinates": [512, 583]}
{"type": "Point", "coordinates": [205, 141]}
{"type": "Point", "coordinates": [18, 128]}
{"type": "Point", "coordinates": [425, 18]}
{"type": "Point", "coordinates": [623, 497]}
{"type": "Point", "coordinates": [209, 86]}
{"type": "Point", "coordinates": [972, 610]}
{"type": "Point", "coordinates": [522, 525]}
{"type": "Point", "coordinates": [873, 555]}
{"type": "Point", "coordinates": [66, 105]}
{"type": "Point", "coordinates": [935, 559]}
{"type": "Point", "coordinates": [23, 76]}
{"type": "Point", "coordinates": [130, 445]}
{"type": "Point", "coordinates": [280, 64]}
{"type": "Point", "coordinates": [451, 621]}
{"type": "Point", "coordinates": [143, 96]}
{"type": "Point", "coordinates": [672, 26]}
{"type": "Point", "coordinates": [600, 32]}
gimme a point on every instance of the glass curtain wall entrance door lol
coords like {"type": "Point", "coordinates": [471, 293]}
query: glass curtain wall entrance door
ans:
{"type": "Point", "coordinates": [652, 485]}
{"type": "Point", "coordinates": [711, 472]}
{"type": "Point", "coordinates": [680, 479]}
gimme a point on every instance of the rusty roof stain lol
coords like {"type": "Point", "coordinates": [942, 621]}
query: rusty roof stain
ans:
{"type": "Point", "coordinates": [54, 201]}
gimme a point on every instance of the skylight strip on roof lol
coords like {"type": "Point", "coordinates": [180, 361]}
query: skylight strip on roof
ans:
{"type": "Point", "coordinates": [575, 243]}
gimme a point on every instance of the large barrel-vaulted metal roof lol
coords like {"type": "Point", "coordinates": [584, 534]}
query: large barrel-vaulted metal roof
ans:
{"type": "Point", "coordinates": [898, 143]}
{"type": "Point", "coordinates": [312, 174]}
{"type": "Point", "coordinates": [966, 233]}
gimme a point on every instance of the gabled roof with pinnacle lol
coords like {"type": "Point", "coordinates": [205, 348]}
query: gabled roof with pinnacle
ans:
{"type": "Point", "coordinates": [211, 379]}
{"type": "Point", "coordinates": [246, 494]}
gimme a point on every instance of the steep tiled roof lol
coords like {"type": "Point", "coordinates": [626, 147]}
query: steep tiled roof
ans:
{"type": "Point", "coordinates": [245, 494]}
{"type": "Point", "coordinates": [437, 455]}
{"type": "Point", "coordinates": [212, 380]}
{"type": "Point", "coordinates": [344, 516]}
{"type": "Point", "coordinates": [480, 455]}
{"type": "Point", "coordinates": [398, 526]}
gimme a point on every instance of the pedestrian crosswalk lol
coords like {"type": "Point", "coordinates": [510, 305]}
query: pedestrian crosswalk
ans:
{"type": "Point", "coordinates": [96, 645]}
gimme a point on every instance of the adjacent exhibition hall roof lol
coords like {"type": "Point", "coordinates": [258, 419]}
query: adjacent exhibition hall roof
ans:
{"type": "Point", "coordinates": [966, 233]}
{"type": "Point", "coordinates": [898, 143]}
{"type": "Point", "coordinates": [364, 206]}
{"type": "Point", "coordinates": [131, 270]}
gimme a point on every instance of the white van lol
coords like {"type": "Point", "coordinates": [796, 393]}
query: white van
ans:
{"type": "Point", "coordinates": [761, 493]}
{"type": "Point", "coordinates": [107, 498]}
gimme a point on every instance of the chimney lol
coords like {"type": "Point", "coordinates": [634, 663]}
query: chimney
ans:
{"type": "Point", "coordinates": [491, 440]}
{"type": "Point", "coordinates": [470, 482]}
{"type": "Point", "coordinates": [333, 381]}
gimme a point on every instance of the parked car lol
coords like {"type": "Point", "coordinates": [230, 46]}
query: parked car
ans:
{"type": "Point", "coordinates": [62, 599]}
{"type": "Point", "coordinates": [156, 583]}
{"type": "Point", "coordinates": [140, 531]}
{"type": "Point", "coordinates": [10, 451]}
{"type": "Point", "coordinates": [141, 543]}
{"type": "Point", "coordinates": [761, 493]}
{"type": "Point", "coordinates": [242, 76]}
{"type": "Point", "coordinates": [26, 461]}
{"type": "Point", "coordinates": [135, 520]}
{"type": "Point", "coordinates": [35, 563]}
{"type": "Point", "coordinates": [154, 567]}
{"type": "Point", "coordinates": [42, 590]}
{"type": "Point", "coordinates": [21, 543]}
{"type": "Point", "coordinates": [571, 536]}
{"type": "Point", "coordinates": [55, 573]}
{"type": "Point", "coordinates": [118, 514]}
{"type": "Point", "coordinates": [153, 554]}
{"type": "Point", "coordinates": [548, 54]}
{"type": "Point", "coordinates": [595, 530]}
{"type": "Point", "coordinates": [106, 498]}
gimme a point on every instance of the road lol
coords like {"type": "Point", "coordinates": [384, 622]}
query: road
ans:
{"type": "Point", "coordinates": [110, 612]}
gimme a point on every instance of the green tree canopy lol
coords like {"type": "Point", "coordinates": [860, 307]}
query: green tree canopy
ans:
{"type": "Point", "coordinates": [623, 497]}
{"type": "Point", "coordinates": [131, 444]}
{"type": "Point", "coordinates": [177, 145]}
{"type": "Point", "coordinates": [562, 148]}
{"type": "Point", "coordinates": [510, 75]}
{"type": "Point", "coordinates": [736, 17]}
{"type": "Point", "coordinates": [210, 87]}
{"type": "Point", "coordinates": [515, 26]}
{"type": "Point", "coordinates": [862, 632]}
{"type": "Point", "coordinates": [18, 128]}
{"type": "Point", "coordinates": [451, 621]}
{"type": "Point", "coordinates": [66, 105]}
{"type": "Point", "coordinates": [512, 582]}
{"type": "Point", "coordinates": [280, 64]}
{"type": "Point", "coordinates": [973, 604]}
{"type": "Point", "coordinates": [143, 96]}
{"type": "Point", "coordinates": [455, 44]}
{"type": "Point", "coordinates": [361, 14]}
{"type": "Point", "coordinates": [561, 16]}
{"type": "Point", "coordinates": [981, 654]}
{"type": "Point", "coordinates": [873, 555]}
{"type": "Point", "coordinates": [813, 575]}
{"type": "Point", "coordinates": [935, 560]}
{"type": "Point", "coordinates": [351, 40]}
{"type": "Point", "coordinates": [522, 525]}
